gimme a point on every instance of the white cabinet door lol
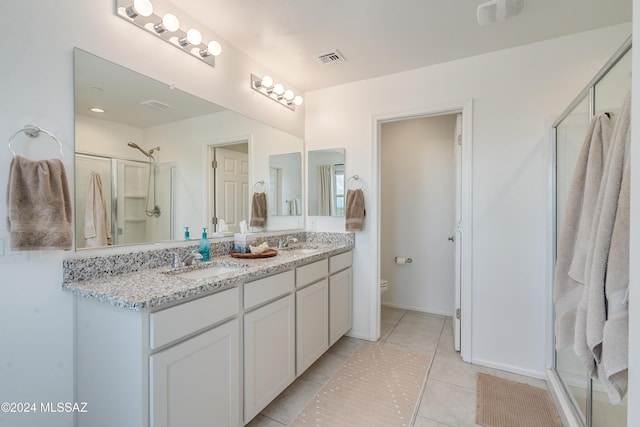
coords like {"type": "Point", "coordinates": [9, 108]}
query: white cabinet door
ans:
{"type": "Point", "coordinates": [312, 324]}
{"type": "Point", "coordinates": [340, 304]}
{"type": "Point", "coordinates": [197, 382]}
{"type": "Point", "coordinates": [269, 353]}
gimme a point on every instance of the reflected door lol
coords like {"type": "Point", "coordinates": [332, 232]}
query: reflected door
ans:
{"type": "Point", "coordinates": [232, 187]}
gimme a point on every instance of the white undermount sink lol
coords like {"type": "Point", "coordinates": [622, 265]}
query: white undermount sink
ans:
{"type": "Point", "coordinates": [300, 249]}
{"type": "Point", "coordinates": [205, 272]}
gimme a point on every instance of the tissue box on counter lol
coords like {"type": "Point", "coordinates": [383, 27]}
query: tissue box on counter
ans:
{"type": "Point", "coordinates": [242, 241]}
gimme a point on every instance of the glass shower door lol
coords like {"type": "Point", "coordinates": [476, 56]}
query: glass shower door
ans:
{"type": "Point", "coordinates": [610, 93]}
{"type": "Point", "coordinates": [570, 135]}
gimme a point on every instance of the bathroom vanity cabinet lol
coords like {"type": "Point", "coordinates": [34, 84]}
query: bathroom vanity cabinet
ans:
{"type": "Point", "coordinates": [218, 359]}
{"type": "Point", "coordinates": [159, 368]}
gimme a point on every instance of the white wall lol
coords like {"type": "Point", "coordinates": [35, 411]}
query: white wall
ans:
{"type": "Point", "coordinates": [418, 212]}
{"type": "Point", "coordinates": [37, 40]}
{"type": "Point", "coordinates": [190, 156]}
{"type": "Point", "coordinates": [515, 93]}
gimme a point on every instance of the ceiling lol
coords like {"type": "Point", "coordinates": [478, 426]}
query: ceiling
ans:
{"type": "Point", "coordinates": [128, 97]}
{"type": "Point", "coordinates": [379, 37]}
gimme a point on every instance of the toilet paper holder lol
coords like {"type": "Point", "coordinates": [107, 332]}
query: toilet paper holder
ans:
{"type": "Point", "coordinates": [400, 260]}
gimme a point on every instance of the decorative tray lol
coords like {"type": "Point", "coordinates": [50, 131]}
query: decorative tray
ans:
{"type": "Point", "coordinates": [266, 254]}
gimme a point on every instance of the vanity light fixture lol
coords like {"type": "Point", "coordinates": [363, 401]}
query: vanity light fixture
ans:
{"type": "Point", "coordinates": [166, 25]}
{"type": "Point", "coordinates": [276, 92]}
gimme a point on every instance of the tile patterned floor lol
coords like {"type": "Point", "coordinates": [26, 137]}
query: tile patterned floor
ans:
{"type": "Point", "coordinates": [449, 398]}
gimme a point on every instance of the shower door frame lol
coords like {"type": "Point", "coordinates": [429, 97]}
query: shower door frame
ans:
{"type": "Point", "coordinates": [559, 389]}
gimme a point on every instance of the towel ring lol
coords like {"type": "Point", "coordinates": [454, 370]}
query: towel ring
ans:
{"type": "Point", "coordinates": [355, 179]}
{"type": "Point", "coordinates": [33, 132]}
{"type": "Point", "coordinates": [261, 182]}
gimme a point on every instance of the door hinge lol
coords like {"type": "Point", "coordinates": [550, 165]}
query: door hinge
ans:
{"type": "Point", "coordinates": [214, 220]}
{"type": "Point", "coordinates": [214, 164]}
{"type": "Point", "coordinates": [460, 139]}
{"type": "Point", "coordinates": [458, 313]}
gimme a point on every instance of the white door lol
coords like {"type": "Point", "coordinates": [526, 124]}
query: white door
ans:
{"type": "Point", "coordinates": [458, 234]}
{"type": "Point", "coordinates": [231, 188]}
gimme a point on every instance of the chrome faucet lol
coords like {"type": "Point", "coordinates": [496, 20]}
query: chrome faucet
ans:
{"type": "Point", "coordinates": [288, 240]}
{"type": "Point", "coordinates": [187, 260]}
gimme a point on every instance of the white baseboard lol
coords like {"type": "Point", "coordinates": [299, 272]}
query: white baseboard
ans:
{"type": "Point", "coordinates": [508, 368]}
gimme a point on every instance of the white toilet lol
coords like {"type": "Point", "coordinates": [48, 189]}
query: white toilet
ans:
{"type": "Point", "coordinates": [384, 286]}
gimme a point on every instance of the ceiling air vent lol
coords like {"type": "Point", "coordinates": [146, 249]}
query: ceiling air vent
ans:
{"type": "Point", "coordinates": [331, 57]}
{"type": "Point", "coordinates": [156, 105]}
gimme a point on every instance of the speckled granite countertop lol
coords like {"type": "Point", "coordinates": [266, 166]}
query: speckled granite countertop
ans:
{"type": "Point", "coordinates": [154, 287]}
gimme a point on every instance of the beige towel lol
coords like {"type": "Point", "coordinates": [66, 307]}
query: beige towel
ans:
{"type": "Point", "coordinates": [576, 229]}
{"type": "Point", "coordinates": [38, 205]}
{"type": "Point", "coordinates": [604, 306]}
{"type": "Point", "coordinates": [355, 212]}
{"type": "Point", "coordinates": [97, 230]}
{"type": "Point", "coordinates": [258, 210]}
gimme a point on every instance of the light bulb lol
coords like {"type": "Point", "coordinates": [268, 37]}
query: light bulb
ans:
{"type": "Point", "coordinates": [267, 82]}
{"type": "Point", "coordinates": [214, 48]}
{"type": "Point", "coordinates": [193, 37]}
{"type": "Point", "coordinates": [298, 100]}
{"type": "Point", "coordinates": [169, 23]}
{"type": "Point", "coordinates": [139, 8]}
{"type": "Point", "coordinates": [288, 94]}
{"type": "Point", "coordinates": [278, 89]}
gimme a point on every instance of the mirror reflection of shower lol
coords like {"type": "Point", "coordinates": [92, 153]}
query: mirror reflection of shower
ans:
{"type": "Point", "coordinates": [155, 212]}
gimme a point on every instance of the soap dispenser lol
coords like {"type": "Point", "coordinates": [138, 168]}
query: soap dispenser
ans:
{"type": "Point", "coordinates": [186, 233]}
{"type": "Point", "coordinates": [205, 247]}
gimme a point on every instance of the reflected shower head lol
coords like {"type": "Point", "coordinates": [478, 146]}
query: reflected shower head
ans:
{"type": "Point", "coordinates": [149, 153]}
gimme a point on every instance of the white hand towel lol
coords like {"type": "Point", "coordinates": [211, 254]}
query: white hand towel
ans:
{"type": "Point", "coordinates": [576, 228]}
{"type": "Point", "coordinates": [97, 230]}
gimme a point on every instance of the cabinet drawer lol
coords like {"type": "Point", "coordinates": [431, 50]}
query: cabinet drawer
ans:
{"type": "Point", "coordinates": [311, 273]}
{"type": "Point", "coordinates": [340, 262]}
{"type": "Point", "coordinates": [176, 322]}
{"type": "Point", "coordinates": [271, 287]}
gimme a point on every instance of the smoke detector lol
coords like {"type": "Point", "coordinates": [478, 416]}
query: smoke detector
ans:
{"type": "Point", "coordinates": [331, 57]}
{"type": "Point", "coordinates": [499, 10]}
{"type": "Point", "coordinates": [156, 105]}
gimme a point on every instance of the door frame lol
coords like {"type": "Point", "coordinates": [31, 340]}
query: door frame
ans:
{"type": "Point", "coordinates": [466, 179]}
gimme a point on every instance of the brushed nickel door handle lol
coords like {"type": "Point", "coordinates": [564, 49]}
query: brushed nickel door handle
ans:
{"type": "Point", "coordinates": [451, 238]}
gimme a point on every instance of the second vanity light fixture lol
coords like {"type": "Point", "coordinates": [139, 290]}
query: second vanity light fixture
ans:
{"type": "Point", "coordinates": [142, 14]}
{"type": "Point", "coordinates": [275, 91]}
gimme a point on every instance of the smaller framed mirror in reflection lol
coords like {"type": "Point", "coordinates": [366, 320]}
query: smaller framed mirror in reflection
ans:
{"type": "Point", "coordinates": [285, 185]}
{"type": "Point", "coordinates": [326, 182]}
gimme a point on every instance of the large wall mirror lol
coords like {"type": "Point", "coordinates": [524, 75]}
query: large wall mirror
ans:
{"type": "Point", "coordinates": [149, 157]}
{"type": "Point", "coordinates": [326, 182]}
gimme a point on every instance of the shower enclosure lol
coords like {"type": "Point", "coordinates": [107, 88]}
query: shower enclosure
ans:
{"type": "Point", "coordinates": [139, 197]}
{"type": "Point", "coordinates": [585, 397]}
